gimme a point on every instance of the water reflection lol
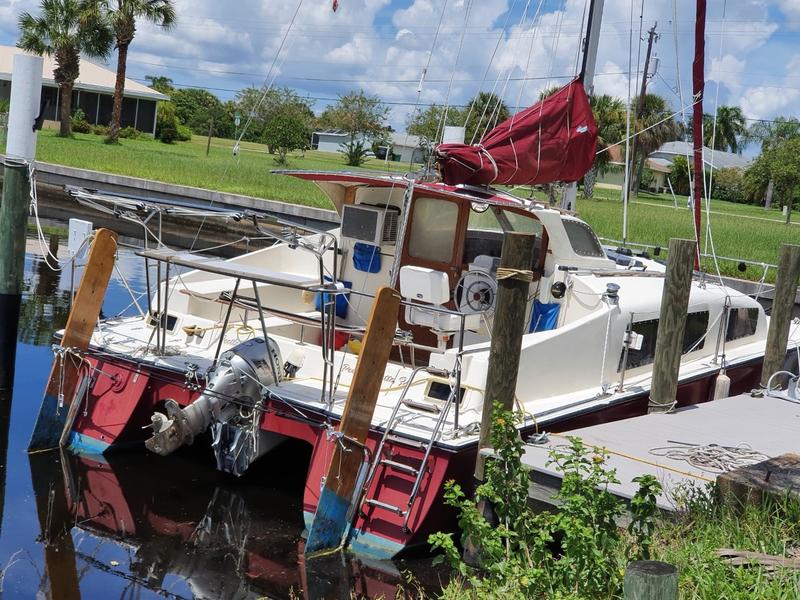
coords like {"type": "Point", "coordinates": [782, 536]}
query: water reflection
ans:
{"type": "Point", "coordinates": [134, 525]}
{"type": "Point", "coordinates": [182, 532]}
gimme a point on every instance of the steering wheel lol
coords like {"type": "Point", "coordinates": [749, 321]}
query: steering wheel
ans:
{"type": "Point", "coordinates": [476, 292]}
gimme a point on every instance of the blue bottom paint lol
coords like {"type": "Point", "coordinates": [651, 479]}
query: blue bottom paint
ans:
{"type": "Point", "coordinates": [49, 424]}
{"type": "Point", "coordinates": [84, 444]}
{"type": "Point", "coordinates": [329, 522]}
{"type": "Point", "coordinates": [367, 545]}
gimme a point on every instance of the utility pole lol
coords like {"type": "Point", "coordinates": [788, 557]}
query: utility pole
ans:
{"type": "Point", "coordinates": [26, 91]}
{"type": "Point", "coordinates": [652, 37]}
{"type": "Point", "coordinates": [570, 196]}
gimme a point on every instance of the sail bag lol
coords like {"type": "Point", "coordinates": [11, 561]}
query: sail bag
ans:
{"type": "Point", "coordinates": [553, 140]}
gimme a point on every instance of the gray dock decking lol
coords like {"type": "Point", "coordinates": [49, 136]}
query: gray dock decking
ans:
{"type": "Point", "coordinates": [767, 425]}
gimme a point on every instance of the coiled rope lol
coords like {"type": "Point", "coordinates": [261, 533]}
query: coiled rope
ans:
{"type": "Point", "coordinates": [711, 458]}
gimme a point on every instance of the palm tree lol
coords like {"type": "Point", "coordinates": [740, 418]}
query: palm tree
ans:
{"type": "Point", "coordinates": [64, 30]}
{"type": "Point", "coordinates": [160, 83]}
{"type": "Point", "coordinates": [610, 115]}
{"type": "Point", "coordinates": [770, 134]}
{"type": "Point", "coordinates": [730, 131]}
{"type": "Point", "coordinates": [654, 127]}
{"type": "Point", "coordinates": [122, 16]}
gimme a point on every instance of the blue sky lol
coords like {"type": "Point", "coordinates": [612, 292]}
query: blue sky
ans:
{"type": "Point", "coordinates": [382, 46]}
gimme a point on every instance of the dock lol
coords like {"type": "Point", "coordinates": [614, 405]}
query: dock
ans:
{"type": "Point", "coordinates": [637, 446]}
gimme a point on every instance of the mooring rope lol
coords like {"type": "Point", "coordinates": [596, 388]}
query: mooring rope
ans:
{"type": "Point", "coordinates": [712, 458]}
{"type": "Point", "coordinates": [518, 274]}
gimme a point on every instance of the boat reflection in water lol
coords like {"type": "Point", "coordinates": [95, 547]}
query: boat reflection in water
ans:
{"type": "Point", "coordinates": [184, 532]}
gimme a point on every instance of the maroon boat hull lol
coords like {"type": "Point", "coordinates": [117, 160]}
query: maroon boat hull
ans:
{"type": "Point", "coordinates": [118, 408]}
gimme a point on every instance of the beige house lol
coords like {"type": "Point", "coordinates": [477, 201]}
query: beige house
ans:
{"type": "Point", "coordinates": [93, 93]}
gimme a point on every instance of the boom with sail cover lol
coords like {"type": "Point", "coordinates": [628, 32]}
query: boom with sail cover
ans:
{"type": "Point", "coordinates": [553, 140]}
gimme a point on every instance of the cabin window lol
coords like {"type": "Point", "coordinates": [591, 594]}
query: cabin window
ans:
{"type": "Point", "coordinates": [742, 322]}
{"type": "Point", "coordinates": [693, 339]}
{"type": "Point", "coordinates": [433, 230]}
{"type": "Point", "coordinates": [583, 240]}
{"type": "Point", "coordinates": [694, 334]}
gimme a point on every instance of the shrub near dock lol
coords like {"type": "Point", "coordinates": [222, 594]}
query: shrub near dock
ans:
{"type": "Point", "coordinates": [580, 553]}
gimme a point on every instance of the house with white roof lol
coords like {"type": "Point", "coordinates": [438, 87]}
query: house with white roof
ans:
{"type": "Point", "coordinates": [660, 161]}
{"type": "Point", "coordinates": [93, 93]}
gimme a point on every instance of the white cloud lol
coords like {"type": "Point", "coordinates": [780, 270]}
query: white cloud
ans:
{"type": "Point", "coordinates": [727, 71]}
{"type": "Point", "coordinates": [764, 102]}
{"type": "Point", "coordinates": [383, 45]}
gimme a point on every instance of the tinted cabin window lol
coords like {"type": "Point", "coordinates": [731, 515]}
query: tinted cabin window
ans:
{"type": "Point", "coordinates": [582, 239]}
{"type": "Point", "coordinates": [742, 322]}
{"type": "Point", "coordinates": [696, 327]}
{"type": "Point", "coordinates": [433, 230]}
{"type": "Point", "coordinates": [693, 335]}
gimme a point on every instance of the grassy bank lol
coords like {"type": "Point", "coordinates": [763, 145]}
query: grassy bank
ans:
{"type": "Point", "coordinates": [186, 163]}
{"type": "Point", "coordinates": [739, 230]}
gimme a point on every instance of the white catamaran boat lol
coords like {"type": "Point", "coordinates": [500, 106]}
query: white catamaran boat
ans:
{"type": "Point", "coordinates": [199, 359]}
{"type": "Point", "coordinates": [263, 347]}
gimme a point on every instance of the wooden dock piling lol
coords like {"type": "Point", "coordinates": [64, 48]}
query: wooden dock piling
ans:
{"type": "Point", "coordinates": [26, 91]}
{"type": "Point", "coordinates": [671, 325]}
{"type": "Point", "coordinates": [782, 307]}
{"type": "Point", "coordinates": [651, 579]}
{"type": "Point", "coordinates": [513, 282]}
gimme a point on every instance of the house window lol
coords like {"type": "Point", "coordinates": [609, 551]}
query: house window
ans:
{"type": "Point", "coordinates": [742, 322]}
{"type": "Point", "coordinates": [433, 230]}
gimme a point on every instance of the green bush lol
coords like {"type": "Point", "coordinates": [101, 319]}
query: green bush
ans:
{"type": "Point", "coordinates": [100, 130]}
{"type": "Point", "coordinates": [355, 153]}
{"type": "Point", "coordinates": [577, 552]}
{"type": "Point", "coordinates": [129, 133]}
{"type": "Point", "coordinates": [166, 123]}
{"type": "Point", "coordinates": [184, 133]}
{"type": "Point", "coordinates": [78, 122]}
{"type": "Point", "coordinates": [728, 184]}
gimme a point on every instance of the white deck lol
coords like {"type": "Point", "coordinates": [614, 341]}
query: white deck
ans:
{"type": "Point", "coordinates": [768, 425]}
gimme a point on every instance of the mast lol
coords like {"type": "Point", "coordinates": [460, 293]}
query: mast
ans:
{"type": "Point", "coordinates": [698, 84]}
{"type": "Point", "coordinates": [588, 65]}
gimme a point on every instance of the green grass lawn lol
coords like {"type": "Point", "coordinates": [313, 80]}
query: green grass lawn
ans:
{"type": "Point", "coordinates": [186, 163]}
{"type": "Point", "coordinates": [739, 230]}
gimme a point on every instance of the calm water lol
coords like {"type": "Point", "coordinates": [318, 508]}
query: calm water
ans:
{"type": "Point", "coordinates": [134, 525]}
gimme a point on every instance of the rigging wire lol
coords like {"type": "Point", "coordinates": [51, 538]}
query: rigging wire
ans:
{"type": "Point", "coordinates": [709, 236]}
{"type": "Point", "coordinates": [443, 119]}
{"type": "Point", "coordinates": [269, 81]}
{"type": "Point", "coordinates": [689, 163]}
{"type": "Point", "coordinates": [626, 181]}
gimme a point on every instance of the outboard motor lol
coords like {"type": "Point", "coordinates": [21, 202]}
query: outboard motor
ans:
{"type": "Point", "coordinates": [229, 405]}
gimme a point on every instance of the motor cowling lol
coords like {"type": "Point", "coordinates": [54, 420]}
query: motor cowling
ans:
{"type": "Point", "coordinates": [235, 387]}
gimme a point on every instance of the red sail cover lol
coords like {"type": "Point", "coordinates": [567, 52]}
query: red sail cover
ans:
{"type": "Point", "coordinates": [553, 140]}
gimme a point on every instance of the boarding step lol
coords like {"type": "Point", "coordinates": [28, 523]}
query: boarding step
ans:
{"type": "Point", "coordinates": [386, 506]}
{"type": "Point", "coordinates": [398, 466]}
{"type": "Point", "coordinates": [404, 441]}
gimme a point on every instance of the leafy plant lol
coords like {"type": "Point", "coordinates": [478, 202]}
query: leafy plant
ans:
{"type": "Point", "coordinates": [577, 552]}
{"type": "Point", "coordinates": [78, 122]}
{"type": "Point", "coordinates": [285, 132]}
{"type": "Point", "coordinates": [644, 512]}
{"type": "Point", "coordinates": [355, 153]}
{"type": "Point", "coordinates": [129, 133]}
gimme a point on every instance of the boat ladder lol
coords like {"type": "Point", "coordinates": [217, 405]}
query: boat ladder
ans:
{"type": "Point", "coordinates": [418, 471]}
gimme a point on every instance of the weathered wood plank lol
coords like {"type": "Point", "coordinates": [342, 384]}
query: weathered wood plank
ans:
{"type": "Point", "coordinates": [777, 477]}
{"type": "Point", "coordinates": [81, 323]}
{"type": "Point", "coordinates": [330, 524]}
